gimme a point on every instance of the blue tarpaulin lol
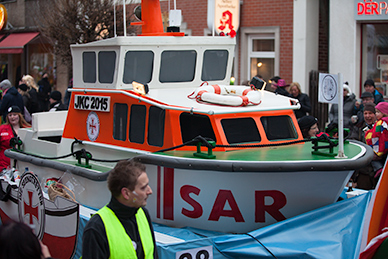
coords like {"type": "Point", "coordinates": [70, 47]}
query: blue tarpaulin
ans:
{"type": "Point", "coordinates": [333, 231]}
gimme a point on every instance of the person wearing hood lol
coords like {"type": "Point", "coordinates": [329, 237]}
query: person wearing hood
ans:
{"type": "Point", "coordinates": [348, 110]}
{"type": "Point", "coordinates": [11, 98]}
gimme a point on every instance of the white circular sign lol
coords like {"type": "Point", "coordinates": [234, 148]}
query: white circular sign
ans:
{"type": "Point", "coordinates": [93, 126]}
{"type": "Point", "coordinates": [31, 203]}
{"type": "Point", "coordinates": [329, 88]}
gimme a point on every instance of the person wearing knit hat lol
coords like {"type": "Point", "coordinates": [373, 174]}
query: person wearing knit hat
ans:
{"type": "Point", "coordinates": [56, 102]}
{"type": "Point", "coordinates": [381, 110]}
{"type": "Point", "coordinates": [369, 86]}
{"type": "Point", "coordinates": [309, 126]}
{"type": "Point", "coordinates": [14, 121]}
{"type": "Point", "coordinates": [377, 137]}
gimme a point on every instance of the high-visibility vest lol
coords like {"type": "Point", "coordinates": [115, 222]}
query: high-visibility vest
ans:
{"type": "Point", "coordinates": [120, 244]}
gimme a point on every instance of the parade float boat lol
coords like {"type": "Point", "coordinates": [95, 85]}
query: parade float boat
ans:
{"type": "Point", "coordinates": [219, 157]}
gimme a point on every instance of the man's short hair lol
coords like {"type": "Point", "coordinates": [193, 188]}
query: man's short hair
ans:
{"type": "Point", "coordinates": [124, 174]}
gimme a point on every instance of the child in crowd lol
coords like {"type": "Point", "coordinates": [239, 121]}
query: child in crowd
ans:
{"type": "Point", "coordinates": [377, 137]}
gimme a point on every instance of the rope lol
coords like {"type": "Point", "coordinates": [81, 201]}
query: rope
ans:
{"type": "Point", "coordinates": [205, 141]}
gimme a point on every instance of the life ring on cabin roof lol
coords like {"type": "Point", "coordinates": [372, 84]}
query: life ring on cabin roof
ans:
{"type": "Point", "coordinates": [230, 95]}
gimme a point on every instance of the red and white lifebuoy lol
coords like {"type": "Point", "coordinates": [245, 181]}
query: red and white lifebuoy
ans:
{"type": "Point", "coordinates": [231, 95]}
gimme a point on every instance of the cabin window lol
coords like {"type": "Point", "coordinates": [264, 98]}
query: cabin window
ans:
{"type": "Point", "coordinates": [156, 126]}
{"type": "Point", "coordinates": [138, 66]}
{"type": "Point", "coordinates": [106, 66]}
{"type": "Point", "coordinates": [89, 67]}
{"type": "Point", "coordinates": [214, 65]}
{"type": "Point", "coordinates": [193, 125]}
{"type": "Point", "coordinates": [240, 130]}
{"type": "Point", "coordinates": [177, 66]}
{"type": "Point", "coordinates": [120, 115]}
{"type": "Point", "coordinates": [137, 123]}
{"type": "Point", "coordinates": [278, 127]}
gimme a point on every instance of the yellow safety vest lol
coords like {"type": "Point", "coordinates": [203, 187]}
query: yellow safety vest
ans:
{"type": "Point", "coordinates": [120, 244]}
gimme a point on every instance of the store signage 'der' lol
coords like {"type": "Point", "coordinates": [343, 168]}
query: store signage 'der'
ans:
{"type": "Point", "coordinates": [92, 103]}
{"type": "Point", "coordinates": [371, 10]}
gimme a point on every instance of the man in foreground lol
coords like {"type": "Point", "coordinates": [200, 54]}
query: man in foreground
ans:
{"type": "Point", "coordinates": [122, 229]}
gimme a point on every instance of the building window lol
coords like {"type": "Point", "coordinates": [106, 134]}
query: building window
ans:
{"type": "Point", "coordinates": [375, 54]}
{"type": "Point", "coordinates": [261, 53]}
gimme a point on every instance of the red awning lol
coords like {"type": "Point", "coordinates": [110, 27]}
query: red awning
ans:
{"type": "Point", "coordinates": [14, 43]}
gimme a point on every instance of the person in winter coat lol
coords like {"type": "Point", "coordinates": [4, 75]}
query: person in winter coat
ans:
{"type": "Point", "coordinates": [44, 92]}
{"type": "Point", "coordinates": [304, 100]}
{"type": "Point", "coordinates": [369, 86]}
{"type": "Point", "coordinates": [348, 110]}
{"type": "Point", "coordinates": [11, 98]}
{"type": "Point", "coordinates": [9, 130]}
{"type": "Point", "coordinates": [32, 92]}
{"type": "Point", "coordinates": [56, 102]}
{"type": "Point", "coordinates": [279, 86]}
{"type": "Point", "coordinates": [122, 228]}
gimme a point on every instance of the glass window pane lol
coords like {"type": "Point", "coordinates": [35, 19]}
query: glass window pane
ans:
{"type": "Point", "coordinates": [263, 66]}
{"type": "Point", "coordinates": [214, 65]}
{"type": "Point", "coordinates": [137, 123]}
{"type": "Point", "coordinates": [120, 115]}
{"type": "Point", "coordinates": [106, 66]}
{"type": "Point", "coordinates": [178, 66]}
{"type": "Point", "coordinates": [240, 130]}
{"type": "Point", "coordinates": [156, 126]}
{"type": "Point", "coordinates": [89, 67]}
{"type": "Point", "coordinates": [138, 66]}
{"type": "Point", "coordinates": [375, 50]}
{"type": "Point", "coordinates": [193, 125]}
{"type": "Point", "coordinates": [278, 127]}
{"type": "Point", "coordinates": [263, 45]}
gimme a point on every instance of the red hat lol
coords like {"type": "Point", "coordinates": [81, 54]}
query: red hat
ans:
{"type": "Point", "coordinates": [281, 83]}
{"type": "Point", "coordinates": [383, 107]}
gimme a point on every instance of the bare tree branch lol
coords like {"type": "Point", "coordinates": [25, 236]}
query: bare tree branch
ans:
{"type": "Point", "coordinates": [66, 22]}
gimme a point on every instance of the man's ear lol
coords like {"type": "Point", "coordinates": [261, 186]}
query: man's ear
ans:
{"type": "Point", "coordinates": [126, 193]}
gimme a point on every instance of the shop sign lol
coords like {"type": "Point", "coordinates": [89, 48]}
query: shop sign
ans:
{"type": "Point", "coordinates": [226, 17]}
{"type": "Point", "coordinates": [3, 17]}
{"type": "Point", "coordinates": [370, 10]}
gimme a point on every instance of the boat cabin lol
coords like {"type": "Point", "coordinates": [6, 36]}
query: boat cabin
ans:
{"type": "Point", "coordinates": [113, 114]}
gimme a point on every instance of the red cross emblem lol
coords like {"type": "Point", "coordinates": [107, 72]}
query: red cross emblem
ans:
{"type": "Point", "coordinates": [30, 209]}
{"type": "Point", "coordinates": [92, 126]}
